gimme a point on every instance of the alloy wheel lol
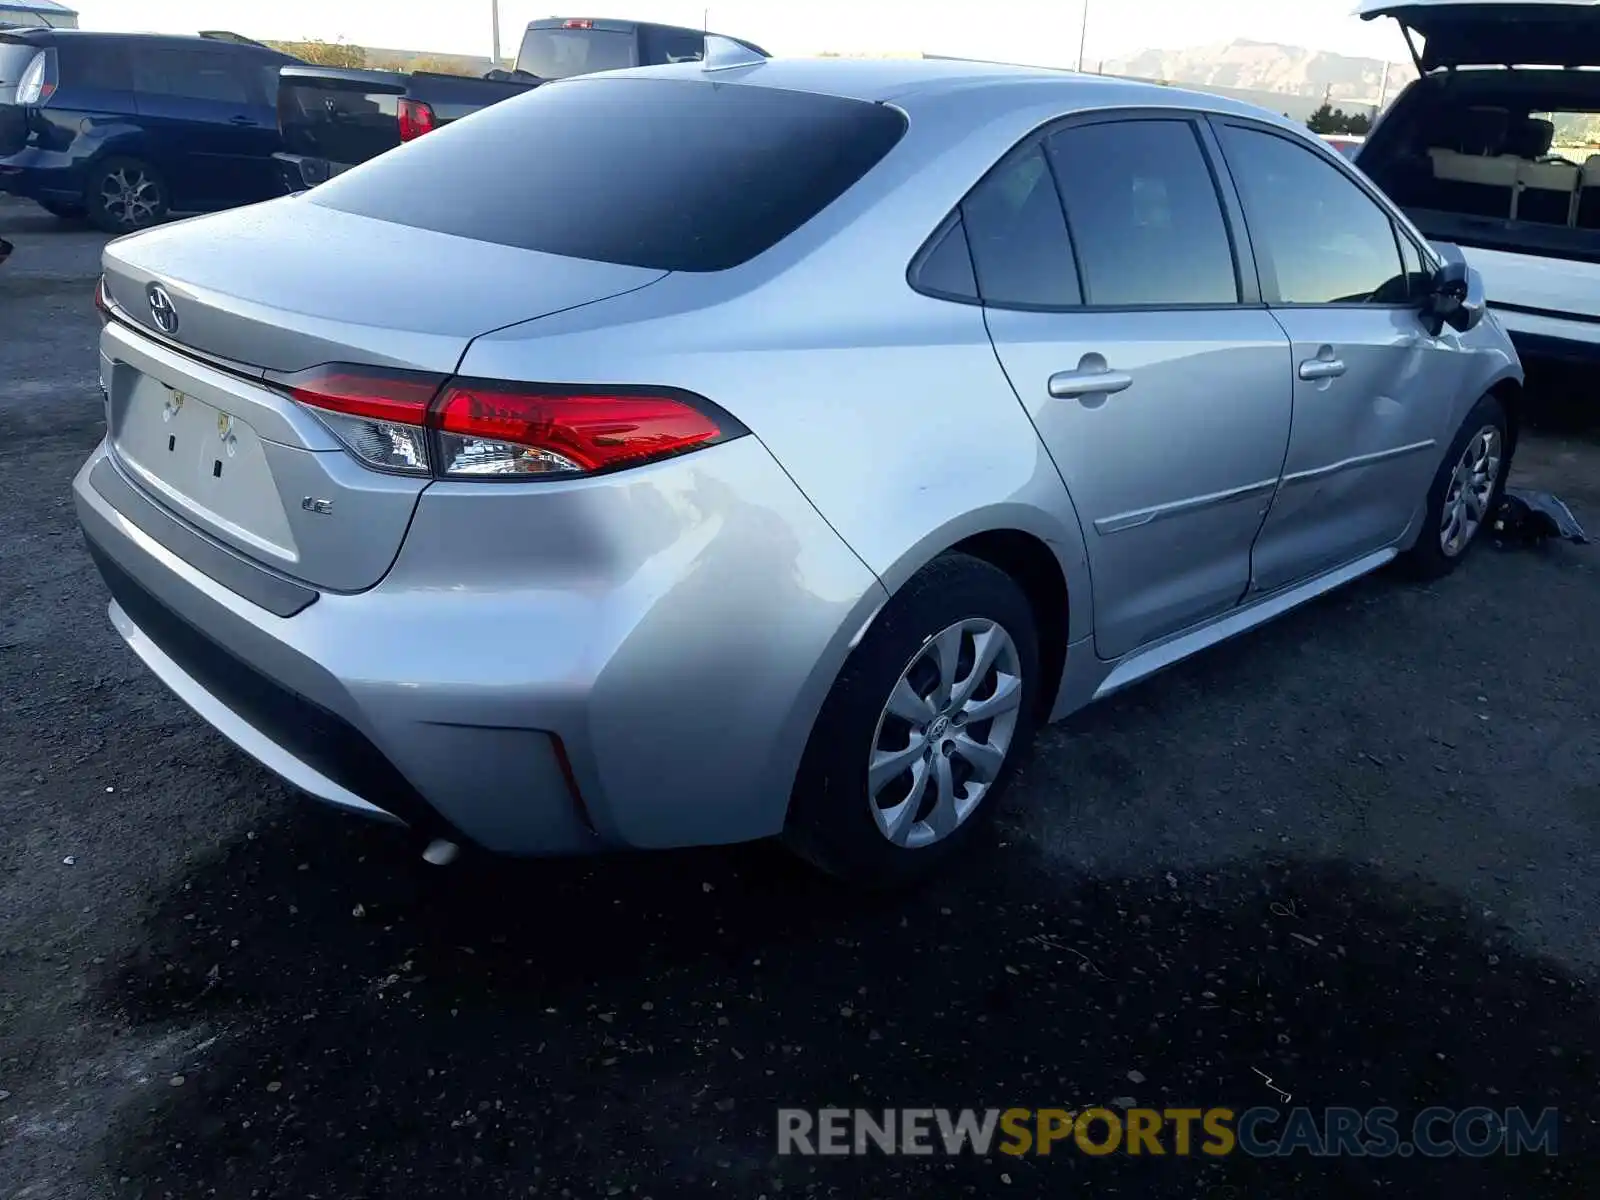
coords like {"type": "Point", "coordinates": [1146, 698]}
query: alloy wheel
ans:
{"type": "Point", "coordinates": [130, 197]}
{"type": "Point", "coordinates": [944, 734]}
{"type": "Point", "coordinates": [1472, 487]}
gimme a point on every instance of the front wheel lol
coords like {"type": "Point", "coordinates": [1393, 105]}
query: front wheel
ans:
{"type": "Point", "coordinates": [126, 194]}
{"type": "Point", "coordinates": [923, 730]}
{"type": "Point", "coordinates": [1466, 491]}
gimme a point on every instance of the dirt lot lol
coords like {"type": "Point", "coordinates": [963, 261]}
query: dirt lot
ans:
{"type": "Point", "coordinates": [1357, 852]}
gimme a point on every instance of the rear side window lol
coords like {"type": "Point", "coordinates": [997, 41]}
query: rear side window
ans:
{"type": "Point", "coordinates": [677, 175]}
{"type": "Point", "coordinates": [98, 63]}
{"type": "Point", "coordinates": [194, 74]}
{"type": "Point", "coordinates": [1323, 238]}
{"type": "Point", "coordinates": [1144, 214]}
{"type": "Point", "coordinates": [562, 53]}
{"type": "Point", "coordinates": [1018, 236]}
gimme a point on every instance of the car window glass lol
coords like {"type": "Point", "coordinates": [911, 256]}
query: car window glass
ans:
{"type": "Point", "coordinates": [193, 74]}
{"type": "Point", "coordinates": [946, 269]}
{"type": "Point", "coordinates": [731, 171]}
{"type": "Point", "coordinates": [1326, 240]}
{"type": "Point", "coordinates": [1419, 279]}
{"type": "Point", "coordinates": [663, 45]}
{"type": "Point", "coordinates": [562, 53]}
{"type": "Point", "coordinates": [99, 63]}
{"type": "Point", "coordinates": [1144, 214]}
{"type": "Point", "coordinates": [1020, 249]}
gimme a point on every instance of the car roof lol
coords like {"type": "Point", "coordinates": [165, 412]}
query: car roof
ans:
{"type": "Point", "coordinates": [40, 34]}
{"type": "Point", "coordinates": [897, 80]}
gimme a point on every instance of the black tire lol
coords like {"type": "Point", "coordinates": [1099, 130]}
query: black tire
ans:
{"type": "Point", "coordinates": [66, 212]}
{"type": "Point", "coordinates": [126, 194]}
{"type": "Point", "coordinates": [831, 813]}
{"type": "Point", "coordinates": [1430, 558]}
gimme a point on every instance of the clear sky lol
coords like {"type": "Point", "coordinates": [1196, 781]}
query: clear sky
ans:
{"type": "Point", "coordinates": [1039, 32]}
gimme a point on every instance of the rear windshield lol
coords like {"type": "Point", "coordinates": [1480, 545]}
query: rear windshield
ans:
{"type": "Point", "coordinates": [677, 175]}
{"type": "Point", "coordinates": [14, 60]}
{"type": "Point", "coordinates": [561, 53]}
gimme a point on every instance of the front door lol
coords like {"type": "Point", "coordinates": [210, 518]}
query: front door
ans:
{"type": "Point", "coordinates": [1125, 327]}
{"type": "Point", "coordinates": [1346, 283]}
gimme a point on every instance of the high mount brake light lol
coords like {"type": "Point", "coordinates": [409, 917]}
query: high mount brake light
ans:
{"type": "Point", "coordinates": [416, 118]}
{"type": "Point", "coordinates": [422, 424]}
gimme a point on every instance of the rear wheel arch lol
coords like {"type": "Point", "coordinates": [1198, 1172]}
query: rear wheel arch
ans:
{"type": "Point", "coordinates": [1030, 562]}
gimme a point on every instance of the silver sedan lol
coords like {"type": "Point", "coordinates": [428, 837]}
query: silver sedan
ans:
{"type": "Point", "coordinates": [704, 453]}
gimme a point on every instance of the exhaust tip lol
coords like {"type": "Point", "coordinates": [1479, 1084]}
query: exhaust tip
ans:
{"type": "Point", "coordinates": [441, 853]}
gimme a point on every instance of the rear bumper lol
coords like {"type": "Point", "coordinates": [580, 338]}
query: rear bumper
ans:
{"type": "Point", "coordinates": [42, 175]}
{"type": "Point", "coordinates": [299, 172]}
{"type": "Point", "coordinates": [526, 714]}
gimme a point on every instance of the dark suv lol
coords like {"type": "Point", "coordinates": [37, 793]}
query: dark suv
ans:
{"type": "Point", "coordinates": [123, 128]}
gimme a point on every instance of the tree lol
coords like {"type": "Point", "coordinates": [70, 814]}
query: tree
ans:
{"type": "Point", "coordinates": [1328, 119]}
{"type": "Point", "coordinates": [324, 54]}
{"type": "Point", "coordinates": [440, 65]}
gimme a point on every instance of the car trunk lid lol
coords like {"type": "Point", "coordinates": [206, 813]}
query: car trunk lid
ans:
{"type": "Point", "coordinates": [1511, 33]}
{"type": "Point", "coordinates": [210, 312]}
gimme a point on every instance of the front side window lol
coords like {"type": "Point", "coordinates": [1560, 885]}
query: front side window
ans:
{"type": "Point", "coordinates": [1323, 238]}
{"type": "Point", "coordinates": [1144, 214]}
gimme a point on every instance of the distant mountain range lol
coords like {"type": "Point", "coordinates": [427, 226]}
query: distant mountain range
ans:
{"type": "Point", "coordinates": [1268, 67]}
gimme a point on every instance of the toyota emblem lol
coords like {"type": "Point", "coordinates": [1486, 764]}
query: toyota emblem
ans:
{"type": "Point", "coordinates": [161, 310]}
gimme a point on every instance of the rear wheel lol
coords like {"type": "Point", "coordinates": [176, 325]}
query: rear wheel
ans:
{"type": "Point", "coordinates": [923, 730]}
{"type": "Point", "coordinates": [126, 194]}
{"type": "Point", "coordinates": [1466, 491]}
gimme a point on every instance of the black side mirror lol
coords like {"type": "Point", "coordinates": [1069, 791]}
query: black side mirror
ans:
{"type": "Point", "coordinates": [1455, 296]}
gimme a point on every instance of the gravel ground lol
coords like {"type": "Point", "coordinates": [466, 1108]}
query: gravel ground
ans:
{"type": "Point", "coordinates": [1357, 852]}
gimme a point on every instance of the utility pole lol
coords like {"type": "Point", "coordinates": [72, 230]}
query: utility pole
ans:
{"type": "Point", "coordinates": [1083, 35]}
{"type": "Point", "coordinates": [494, 15]}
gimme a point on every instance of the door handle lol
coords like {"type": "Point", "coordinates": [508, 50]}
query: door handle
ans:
{"type": "Point", "coordinates": [1322, 368]}
{"type": "Point", "coordinates": [1064, 385]}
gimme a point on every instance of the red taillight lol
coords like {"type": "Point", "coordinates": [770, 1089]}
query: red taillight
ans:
{"type": "Point", "coordinates": [416, 119]}
{"type": "Point", "coordinates": [417, 423]}
{"type": "Point", "coordinates": [490, 429]}
{"type": "Point", "coordinates": [102, 300]}
{"type": "Point", "coordinates": [378, 414]}
{"type": "Point", "coordinates": [578, 23]}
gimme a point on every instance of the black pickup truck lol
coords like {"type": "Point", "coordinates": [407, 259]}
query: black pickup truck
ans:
{"type": "Point", "coordinates": [331, 118]}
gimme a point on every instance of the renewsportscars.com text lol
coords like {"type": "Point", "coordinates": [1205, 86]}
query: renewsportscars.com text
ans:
{"type": "Point", "coordinates": [1258, 1132]}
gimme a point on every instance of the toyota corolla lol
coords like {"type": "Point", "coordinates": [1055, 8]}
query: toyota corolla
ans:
{"type": "Point", "coordinates": [703, 453]}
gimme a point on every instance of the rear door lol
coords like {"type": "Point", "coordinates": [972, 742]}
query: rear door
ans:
{"type": "Point", "coordinates": [1372, 390]}
{"type": "Point", "coordinates": [1158, 383]}
{"type": "Point", "coordinates": [212, 124]}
